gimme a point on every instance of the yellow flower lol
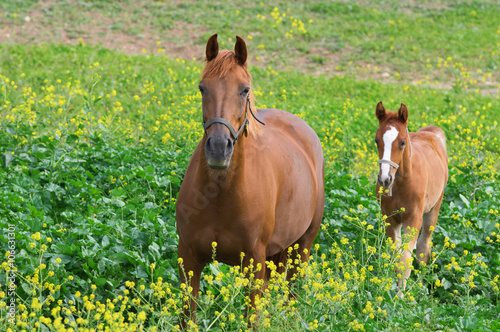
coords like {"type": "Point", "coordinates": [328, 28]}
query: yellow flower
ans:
{"type": "Point", "coordinates": [141, 316]}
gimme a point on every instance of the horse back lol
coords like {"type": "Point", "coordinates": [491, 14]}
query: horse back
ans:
{"type": "Point", "coordinates": [436, 137]}
{"type": "Point", "coordinates": [430, 163]}
{"type": "Point", "coordinates": [296, 131]}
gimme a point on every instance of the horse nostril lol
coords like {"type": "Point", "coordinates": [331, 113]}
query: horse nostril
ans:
{"type": "Point", "coordinates": [208, 144]}
{"type": "Point", "coordinates": [229, 146]}
{"type": "Point", "coordinates": [388, 181]}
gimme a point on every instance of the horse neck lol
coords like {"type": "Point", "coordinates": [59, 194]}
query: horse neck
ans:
{"type": "Point", "coordinates": [405, 168]}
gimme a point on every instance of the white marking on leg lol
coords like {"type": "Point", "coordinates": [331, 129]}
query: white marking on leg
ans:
{"type": "Point", "coordinates": [398, 234]}
{"type": "Point", "coordinates": [389, 137]}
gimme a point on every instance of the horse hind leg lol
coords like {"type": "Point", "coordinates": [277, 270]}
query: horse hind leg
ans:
{"type": "Point", "coordinates": [302, 247]}
{"type": "Point", "coordinates": [428, 224]}
{"type": "Point", "coordinates": [279, 260]}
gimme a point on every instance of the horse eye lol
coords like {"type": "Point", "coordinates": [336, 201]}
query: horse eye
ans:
{"type": "Point", "coordinates": [202, 89]}
{"type": "Point", "coordinates": [376, 141]}
{"type": "Point", "coordinates": [403, 142]}
{"type": "Point", "coordinates": [245, 91]}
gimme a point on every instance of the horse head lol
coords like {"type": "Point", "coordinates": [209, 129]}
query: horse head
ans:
{"type": "Point", "coordinates": [391, 138]}
{"type": "Point", "coordinates": [226, 97]}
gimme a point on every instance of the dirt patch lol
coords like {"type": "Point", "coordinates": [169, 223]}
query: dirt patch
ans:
{"type": "Point", "coordinates": [39, 27]}
{"type": "Point", "coordinates": [128, 28]}
{"type": "Point", "coordinates": [189, 48]}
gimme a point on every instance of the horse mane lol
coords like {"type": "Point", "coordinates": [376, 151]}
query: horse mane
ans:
{"type": "Point", "coordinates": [220, 66]}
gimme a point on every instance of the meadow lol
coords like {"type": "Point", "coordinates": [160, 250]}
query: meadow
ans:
{"type": "Point", "coordinates": [95, 141]}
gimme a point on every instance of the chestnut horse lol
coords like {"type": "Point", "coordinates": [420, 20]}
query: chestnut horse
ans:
{"type": "Point", "coordinates": [414, 172]}
{"type": "Point", "coordinates": [257, 197]}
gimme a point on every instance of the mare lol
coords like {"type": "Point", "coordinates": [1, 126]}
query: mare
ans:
{"type": "Point", "coordinates": [256, 198]}
{"type": "Point", "coordinates": [413, 172]}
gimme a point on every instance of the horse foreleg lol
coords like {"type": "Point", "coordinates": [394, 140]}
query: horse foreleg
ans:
{"type": "Point", "coordinates": [403, 266]}
{"type": "Point", "coordinates": [393, 231]}
{"type": "Point", "coordinates": [255, 265]}
{"type": "Point", "coordinates": [411, 229]}
{"type": "Point", "coordinates": [190, 271]}
{"type": "Point", "coordinates": [429, 220]}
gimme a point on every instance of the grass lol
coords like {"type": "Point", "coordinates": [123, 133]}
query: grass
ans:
{"type": "Point", "coordinates": [94, 145]}
{"type": "Point", "coordinates": [99, 215]}
{"type": "Point", "coordinates": [405, 41]}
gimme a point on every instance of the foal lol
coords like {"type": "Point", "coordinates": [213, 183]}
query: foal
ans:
{"type": "Point", "coordinates": [414, 171]}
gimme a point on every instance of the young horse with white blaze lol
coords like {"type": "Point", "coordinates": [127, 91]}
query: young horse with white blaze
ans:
{"type": "Point", "coordinates": [252, 188]}
{"type": "Point", "coordinates": [413, 173]}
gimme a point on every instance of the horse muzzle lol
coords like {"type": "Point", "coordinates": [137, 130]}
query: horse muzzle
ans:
{"type": "Point", "coordinates": [385, 181]}
{"type": "Point", "coordinates": [218, 151]}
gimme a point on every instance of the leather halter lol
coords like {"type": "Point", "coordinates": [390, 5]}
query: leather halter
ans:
{"type": "Point", "coordinates": [244, 126]}
{"type": "Point", "coordinates": [392, 163]}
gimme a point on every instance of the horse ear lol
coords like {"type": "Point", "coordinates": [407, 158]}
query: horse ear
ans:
{"type": "Point", "coordinates": [403, 113]}
{"type": "Point", "coordinates": [212, 48]}
{"type": "Point", "coordinates": [380, 111]}
{"type": "Point", "coordinates": [240, 51]}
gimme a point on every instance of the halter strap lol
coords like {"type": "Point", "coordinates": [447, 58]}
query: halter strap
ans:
{"type": "Point", "coordinates": [390, 162]}
{"type": "Point", "coordinates": [226, 123]}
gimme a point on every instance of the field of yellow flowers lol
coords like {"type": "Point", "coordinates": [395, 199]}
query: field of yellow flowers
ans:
{"type": "Point", "coordinates": [94, 144]}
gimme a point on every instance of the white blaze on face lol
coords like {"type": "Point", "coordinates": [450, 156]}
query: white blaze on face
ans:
{"type": "Point", "coordinates": [389, 137]}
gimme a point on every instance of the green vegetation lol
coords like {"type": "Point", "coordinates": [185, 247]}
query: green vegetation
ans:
{"type": "Point", "coordinates": [397, 41]}
{"type": "Point", "coordinates": [94, 145]}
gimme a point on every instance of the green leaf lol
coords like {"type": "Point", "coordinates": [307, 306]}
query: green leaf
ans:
{"type": "Point", "coordinates": [105, 241]}
{"type": "Point", "coordinates": [465, 200]}
{"type": "Point", "coordinates": [118, 203]}
{"type": "Point", "coordinates": [100, 282]}
{"type": "Point", "coordinates": [446, 284]}
{"type": "Point", "coordinates": [8, 158]}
